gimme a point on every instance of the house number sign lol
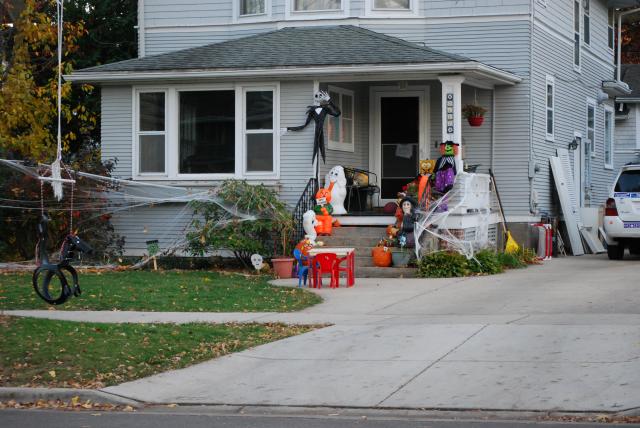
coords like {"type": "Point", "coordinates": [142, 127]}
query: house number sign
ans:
{"type": "Point", "coordinates": [449, 113]}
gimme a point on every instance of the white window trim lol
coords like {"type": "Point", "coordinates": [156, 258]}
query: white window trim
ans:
{"type": "Point", "coordinates": [172, 132]}
{"type": "Point", "coordinates": [291, 14]}
{"type": "Point", "coordinates": [337, 145]}
{"type": "Point", "coordinates": [577, 67]}
{"type": "Point", "coordinates": [592, 103]}
{"type": "Point", "coordinates": [275, 131]}
{"type": "Point", "coordinates": [550, 80]}
{"type": "Point", "coordinates": [135, 158]}
{"type": "Point", "coordinates": [612, 26]}
{"type": "Point", "coordinates": [636, 107]}
{"type": "Point", "coordinates": [258, 17]}
{"type": "Point", "coordinates": [584, 29]}
{"type": "Point", "coordinates": [608, 109]}
{"type": "Point", "coordinates": [372, 11]}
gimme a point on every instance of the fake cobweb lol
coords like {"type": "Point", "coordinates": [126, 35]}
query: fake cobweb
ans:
{"type": "Point", "coordinates": [101, 196]}
{"type": "Point", "coordinates": [464, 220]}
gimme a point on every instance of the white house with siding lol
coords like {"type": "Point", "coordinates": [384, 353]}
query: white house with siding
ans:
{"type": "Point", "coordinates": [218, 82]}
{"type": "Point", "coordinates": [627, 148]}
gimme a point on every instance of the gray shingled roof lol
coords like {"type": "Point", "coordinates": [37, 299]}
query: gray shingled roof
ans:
{"type": "Point", "coordinates": [289, 47]}
{"type": "Point", "coordinates": [630, 74]}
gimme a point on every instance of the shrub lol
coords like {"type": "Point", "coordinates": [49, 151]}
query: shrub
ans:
{"type": "Point", "coordinates": [213, 228]}
{"type": "Point", "coordinates": [511, 261]}
{"type": "Point", "coordinates": [442, 265]}
{"type": "Point", "coordinates": [485, 262]}
{"type": "Point", "coordinates": [528, 256]}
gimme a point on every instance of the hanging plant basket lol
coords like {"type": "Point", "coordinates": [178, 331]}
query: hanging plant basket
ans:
{"type": "Point", "coordinates": [475, 120]}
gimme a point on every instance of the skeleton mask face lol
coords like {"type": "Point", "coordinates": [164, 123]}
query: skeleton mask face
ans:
{"type": "Point", "coordinates": [321, 98]}
{"type": "Point", "coordinates": [256, 261]}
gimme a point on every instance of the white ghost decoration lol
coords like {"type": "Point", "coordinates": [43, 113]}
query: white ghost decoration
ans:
{"type": "Point", "coordinates": [257, 262]}
{"type": "Point", "coordinates": [339, 191]}
{"type": "Point", "coordinates": [309, 223]}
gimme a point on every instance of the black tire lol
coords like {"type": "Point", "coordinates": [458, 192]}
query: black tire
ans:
{"type": "Point", "coordinates": [615, 252]}
{"type": "Point", "coordinates": [635, 248]}
{"type": "Point", "coordinates": [54, 293]}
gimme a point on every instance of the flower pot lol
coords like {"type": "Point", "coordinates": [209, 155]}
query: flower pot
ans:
{"type": "Point", "coordinates": [381, 256]}
{"type": "Point", "coordinates": [401, 258]}
{"type": "Point", "coordinates": [476, 120]}
{"type": "Point", "coordinates": [283, 267]}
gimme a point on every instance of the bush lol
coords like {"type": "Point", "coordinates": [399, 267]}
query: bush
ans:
{"type": "Point", "coordinates": [485, 262]}
{"type": "Point", "coordinates": [442, 265]}
{"type": "Point", "coordinates": [213, 228]}
{"type": "Point", "coordinates": [511, 261]}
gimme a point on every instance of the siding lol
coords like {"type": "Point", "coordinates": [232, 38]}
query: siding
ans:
{"type": "Point", "coordinates": [553, 55]}
{"type": "Point", "coordinates": [626, 138]}
{"type": "Point", "coordinates": [193, 12]}
{"type": "Point", "coordinates": [476, 141]}
{"type": "Point", "coordinates": [116, 129]}
{"type": "Point", "coordinates": [296, 148]}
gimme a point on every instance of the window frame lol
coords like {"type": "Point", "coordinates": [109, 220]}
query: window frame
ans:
{"type": "Point", "coordinates": [274, 130]}
{"type": "Point", "coordinates": [611, 30]}
{"type": "Point", "coordinates": [255, 17]}
{"type": "Point", "coordinates": [137, 132]}
{"type": "Point", "coordinates": [550, 81]}
{"type": "Point", "coordinates": [592, 103]}
{"type": "Point", "coordinates": [172, 132]}
{"type": "Point", "coordinates": [339, 145]}
{"type": "Point", "coordinates": [292, 14]}
{"type": "Point", "coordinates": [371, 10]}
{"type": "Point", "coordinates": [608, 111]}
{"type": "Point", "coordinates": [577, 34]}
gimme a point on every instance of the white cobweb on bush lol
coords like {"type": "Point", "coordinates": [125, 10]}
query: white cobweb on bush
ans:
{"type": "Point", "coordinates": [464, 220]}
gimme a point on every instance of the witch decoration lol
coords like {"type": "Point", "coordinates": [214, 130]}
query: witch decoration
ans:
{"type": "Point", "coordinates": [445, 170]}
{"type": "Point", "coordinates": [407, 225]}
{"type": "Point", "coordinates": [318, 112]}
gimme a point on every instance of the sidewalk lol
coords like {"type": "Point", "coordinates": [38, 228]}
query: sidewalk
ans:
{"type": "Point", "coordinates": [563, 336]}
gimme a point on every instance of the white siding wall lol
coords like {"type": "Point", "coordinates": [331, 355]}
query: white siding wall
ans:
{"type": "Point", "coordinates": [626, 141]}
{"type": "Point", "coordinates": [553, 55]}
{"type": "Point", "coordinates": [116, 129]}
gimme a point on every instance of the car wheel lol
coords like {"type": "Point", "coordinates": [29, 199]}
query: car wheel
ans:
{"type": "Point", "coordinates": [615, 252]}
{"type": "Point", "coordinates": [634, 249]}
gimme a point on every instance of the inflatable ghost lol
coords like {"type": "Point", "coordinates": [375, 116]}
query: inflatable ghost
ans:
{"type": "Point", "coordinates": [309, 223]}
{"type": "Point", "coordinates": [339, 191]}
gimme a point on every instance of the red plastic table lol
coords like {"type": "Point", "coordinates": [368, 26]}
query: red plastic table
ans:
{"type": "Point", "coordinates": [349, 253]}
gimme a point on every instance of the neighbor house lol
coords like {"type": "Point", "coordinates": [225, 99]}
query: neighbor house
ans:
{"type": "Point", "coordinates": [627, 148]}
{"type": "Point", "coordinates": [218, 82]}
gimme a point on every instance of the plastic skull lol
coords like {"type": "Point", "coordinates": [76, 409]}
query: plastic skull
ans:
{"type": "Point", "coordinates": [321, 98]}
{"type": "Point", "coordinates": [256, 261]}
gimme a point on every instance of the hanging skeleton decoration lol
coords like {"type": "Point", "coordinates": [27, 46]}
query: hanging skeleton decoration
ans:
{"type": "Point", "coordinates": [318, 112]}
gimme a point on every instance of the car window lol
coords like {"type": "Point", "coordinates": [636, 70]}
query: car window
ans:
{"type": "Point", "coordinates": [629, 181]}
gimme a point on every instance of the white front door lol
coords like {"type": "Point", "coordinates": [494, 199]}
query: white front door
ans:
{"type": "Point", "coordinates": [399, 140]}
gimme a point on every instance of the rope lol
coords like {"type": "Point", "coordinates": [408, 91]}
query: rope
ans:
{"type": "Point", "coordinates": [56, 165]}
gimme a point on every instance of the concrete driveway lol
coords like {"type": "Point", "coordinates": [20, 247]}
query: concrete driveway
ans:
{"type": "Point", "coordinates": [562, 336]}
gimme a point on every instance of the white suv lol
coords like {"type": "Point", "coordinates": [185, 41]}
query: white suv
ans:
{"type": "Point", "coordinates": [622, 214]}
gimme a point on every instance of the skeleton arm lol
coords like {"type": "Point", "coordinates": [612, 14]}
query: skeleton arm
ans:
{"type": "Point", "coordinates": [332, 109]}
{"type": "Point", "coordinates": [301, 127]}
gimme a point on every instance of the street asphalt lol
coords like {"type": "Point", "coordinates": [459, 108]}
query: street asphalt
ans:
{"type": "Point", "coordinates": [564, 336]}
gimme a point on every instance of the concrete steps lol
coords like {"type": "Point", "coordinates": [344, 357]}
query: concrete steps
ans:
{"type": "Point", "coordinates": [363, 239]}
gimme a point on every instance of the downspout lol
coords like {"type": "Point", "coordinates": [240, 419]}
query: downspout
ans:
{"type": "Point", "coordinates": [493, 127]}
{"type": "Point", "coordinates": [531, 150]}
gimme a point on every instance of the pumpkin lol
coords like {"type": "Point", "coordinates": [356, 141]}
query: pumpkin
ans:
{"type": "Point", "coordinates": [381, 256]}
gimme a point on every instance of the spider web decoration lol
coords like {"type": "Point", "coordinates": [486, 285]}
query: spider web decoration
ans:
{"type": "Point", "coordinates": [463, 220]}
{"type": "Point", "coordinates": [102, 196]}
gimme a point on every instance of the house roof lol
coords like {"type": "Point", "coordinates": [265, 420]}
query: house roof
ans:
{"type": "Point", "coordinates": [286, 49]}
{"type": "Point", "coordinates": [630, 74]}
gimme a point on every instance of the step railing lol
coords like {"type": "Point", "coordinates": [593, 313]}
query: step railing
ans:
{"type": "Point", "coordinates": [305, 203]}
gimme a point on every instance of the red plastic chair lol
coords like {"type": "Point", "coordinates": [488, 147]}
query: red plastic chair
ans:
{"type": "Point", "coordinates": [324, 263]}
{"type": "Point", "coordinates": [337, 269]}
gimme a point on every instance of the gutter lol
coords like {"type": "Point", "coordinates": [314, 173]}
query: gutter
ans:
{"type": "Point", "coordinates": [503, 77]}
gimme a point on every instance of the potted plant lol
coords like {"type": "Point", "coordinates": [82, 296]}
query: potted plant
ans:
{"type": "Point", "coordinates": [400, 255]}
{"type": "Point", "coordinates": [474, 114]}
{"type": "Point", "coordinates": [282, 260]}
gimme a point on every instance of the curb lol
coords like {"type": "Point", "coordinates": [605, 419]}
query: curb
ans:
{"type": "Point", "coordinates": [30, 395]}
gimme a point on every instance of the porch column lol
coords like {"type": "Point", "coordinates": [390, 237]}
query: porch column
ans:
{"type": "Point", "coordinates": [452, 112]}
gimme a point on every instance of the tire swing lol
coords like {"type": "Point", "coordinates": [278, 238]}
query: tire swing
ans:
{"type": "Point", "coordinates": [49, 279]}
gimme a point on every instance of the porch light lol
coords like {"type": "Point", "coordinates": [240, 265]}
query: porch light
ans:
{"type": "Point", "coordinates": [574, 144]}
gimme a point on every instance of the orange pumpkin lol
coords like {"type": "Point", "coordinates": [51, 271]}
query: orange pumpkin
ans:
{"type": "Point", "coordinates": [381, 256]}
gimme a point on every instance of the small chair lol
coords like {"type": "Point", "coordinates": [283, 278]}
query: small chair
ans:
{"type": "Point", "coordinates": [324, 263]}
{"type": "Point", "coordinates": [301, 269]}
{"type": "Point", "coordinates": [337, 269]}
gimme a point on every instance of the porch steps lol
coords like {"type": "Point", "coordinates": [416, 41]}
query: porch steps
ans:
{"type": "Point", "coordinates": [363, 239]}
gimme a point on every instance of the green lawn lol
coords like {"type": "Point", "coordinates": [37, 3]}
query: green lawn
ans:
{"type": "Point", "coordinates": [39, 352]}
{"type": "Point", "coordinates": [182, 291]}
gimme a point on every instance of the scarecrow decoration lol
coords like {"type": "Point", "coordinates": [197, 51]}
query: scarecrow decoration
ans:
{"type": "Point", "coordinates": [322, 106]}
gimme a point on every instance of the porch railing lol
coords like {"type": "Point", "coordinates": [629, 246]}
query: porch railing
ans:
{"type": "Point", "coordinates": [305, 203]}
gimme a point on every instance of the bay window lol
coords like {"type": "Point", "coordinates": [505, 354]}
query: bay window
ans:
{"type": "Point", "coordinates": [151, 133]}
{"type": "Point", "coordinates": [316, 5]}
{"type": "Point", "coordinates": [209, 133]}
